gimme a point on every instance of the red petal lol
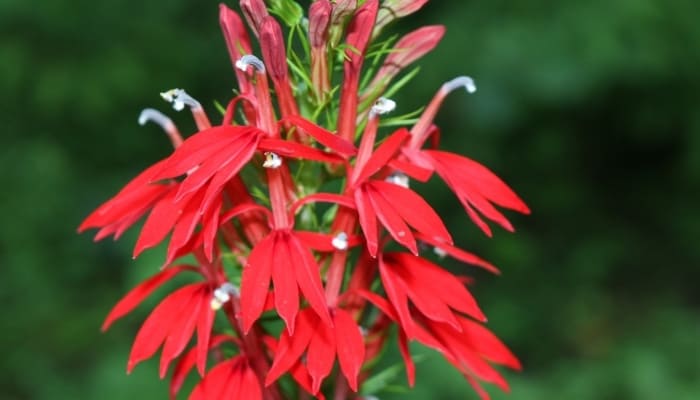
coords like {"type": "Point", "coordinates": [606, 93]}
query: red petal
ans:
{"type": "Point", "coordinates": [391, 220]}
{"type": "Point", "coordinates": [255, 281]}
{"type": "Point", "coordinates": [182, 368]}
{"type": "Point", "coordinates": [425, 295]}
{"type": "Point", "coordinates": [285, 284]}
{"type": "Point", "coordinates": [350, 346]}
{"type": "Point", "coordinates": [308, 277]}
{"type": "Point", "coordinates": [368, 220]}
{"type": "Point", "coordinates": [432, 281]}
{"type": "Point", "coordinates": [250, 385]}
{"type": "Point", "coordinates": [339, 199]}
{"type": "Point", "coordinates": [161, 220]}
{"type": "Point", "coordinates": [414, 209]}
{"type": "Point", "coordinates": [219, 167]}
{"type": "Point", "coordinates": [407, 359]}
{"type": "Point", "coordinates": [140, 292]}
{"type": "Point", "coordinates": [414, 171]}
{"type": "Point", "coordinates": [289, 149]}
{"type": "Point", "coordinates": [290, 348]}
{"type": "Point", "coordinates": [383, 154]}
{"type": "Point", "coordinates": [459, 254]}
{"type": "Point", "coordinates": [183, 329]}
{"type": "Point", "coordinates": [488, 345]}
{"type": "Point", "coordinates": [320, 355]}
{"type": "Point", "coordinates": [198, 148]}
{"type": "Point", "coordinates": [205, 323]}
{"type": "Point", "coordinates": [326, 138]}
{"type": "Point", "coordinates": [397, 295]}
{"type": "Point", "coordinates": [159, 324]}
{"type": "Point", "coordinates": [242, 209]}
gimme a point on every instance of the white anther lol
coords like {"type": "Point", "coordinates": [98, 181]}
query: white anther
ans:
{"type": "Point", "coordinates": [439, 252]}
{"type": "Point", "coordinates": [382, 106]}
{"type": "Point", "coordinates": [340, 241]}
{"type": "Point", "coordinates": [155, 116]}
{"type": "Point", "coordinates": [272, 160]}
{"type": "Point", "coordinates": [250, 60]}
{"type": "Point", "coordinates": [363, 331]}
{"type": "Point", "coordinates": [399, 178]}
{"type": "Point", "coordinates": [179, 98]}
{"type": "Point", "coordinates": [462, 81]}
{"type": "Point", "coordinates": [222, 295]}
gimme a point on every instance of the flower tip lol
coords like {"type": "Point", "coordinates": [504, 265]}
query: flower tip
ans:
{"type": "Point", "coordinates": [152, 115]}
{"type": "Point", "coordinates": [250, 60]}
{"type": "Point", "coordinates": [179, 99]}
{"type": "Point", "coordinates": [462, 81]}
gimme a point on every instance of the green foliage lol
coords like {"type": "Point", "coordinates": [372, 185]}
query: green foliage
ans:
{"type": "Point", "coordinates": [588, 109]}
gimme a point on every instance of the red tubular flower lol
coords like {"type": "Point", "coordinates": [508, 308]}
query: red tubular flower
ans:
{"type": "Point", "coordinates": [231, 379]}
{"type": "Point", "coordinates": [282, 258]}
{"type": "Point", "coordinates": [319, 23]}
{"type": "Point", "coordinates": [432, 290]}
{"type": "Point", "coordinates": [322, 344]}
{"type": "Point", "coordinates": [172, 324]}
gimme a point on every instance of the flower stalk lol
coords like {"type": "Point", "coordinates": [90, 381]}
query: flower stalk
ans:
{"type": "Point", "coordinates": [307, 279]}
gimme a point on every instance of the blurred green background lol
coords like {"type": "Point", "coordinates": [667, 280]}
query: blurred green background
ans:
{"type": "Point", "coordinates": [589, 109]}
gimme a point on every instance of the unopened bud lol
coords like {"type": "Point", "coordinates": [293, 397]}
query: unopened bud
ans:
{"type": "Point", "coordinates": [254, 12]}
{"type": "Point", "coordinates": [272, 45]}
{"type": "Point", "coordinates": [319, 21]}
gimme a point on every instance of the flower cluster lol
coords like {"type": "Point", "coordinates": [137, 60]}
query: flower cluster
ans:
{"type": "Point", "coordinates": [295, 215]}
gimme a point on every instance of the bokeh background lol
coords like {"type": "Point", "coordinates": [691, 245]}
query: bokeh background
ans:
{"type": "Point", "coordinates": [589, 109]}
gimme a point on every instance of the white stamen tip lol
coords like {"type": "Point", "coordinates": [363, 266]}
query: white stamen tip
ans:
{"type": "Point", "coordinates": [222, 295]}
{"type": "Point", "coordinates": [382, 106]}
{"type": "Point", "coordinates": [272, 160]}
{"type": "Point", "coordinates": [155, 116]}
{"type": "Point", "coordinates": [250, 60]}
{"type": "Point", "coordinates": [179, 99]}
{"type": "Point", "coordinates": [399, 178]}
{"type": "Point", "coordinates": [439, 252]}
{"type": "Point", "coordinates": [340, 241]}
{"type": "Point", "coordinates": [462, 81]}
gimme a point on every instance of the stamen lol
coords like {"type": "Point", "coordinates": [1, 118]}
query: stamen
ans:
{"type": "Point", "coordinates": [340, 241]}
{"type": "Point", "coordinates": [179, 98]}
{"type": "Point", "coordinates": [462, 81]}
{"type": "Point", "coordinates": [158, 118]}
{"type": "Point", "coordinates": [399, 178]}
{"type": "Point", "coordinates": [222, 295]}
{"type": "Point", "coordinates": [382, 106]}
{"type": "Point", "coordinates": [250, 60]}
{"type": "Point", "coordinates": [155, 116]}
{"type": "Point", "coordinates": [272, 160]}
{"type": "Point", "coordinates": [439, 252]}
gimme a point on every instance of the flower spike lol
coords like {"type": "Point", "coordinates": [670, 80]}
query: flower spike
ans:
{"type": "Point", "coordinates": [266, 255]}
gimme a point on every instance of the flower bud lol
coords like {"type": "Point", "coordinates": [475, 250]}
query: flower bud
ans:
{"type": "Point", "coordinates": [394, 9]}
{"type": "Point", "coordinates": [319, 21]}
{"type": "Point", "coordinates": [254, 12]}
{"type": "Point", "coordinates": [272, 45]}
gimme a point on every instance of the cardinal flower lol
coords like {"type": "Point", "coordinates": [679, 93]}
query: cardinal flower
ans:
{"type": "Point", "coordinates": [231, 379]}
{"type": "Point", "coordinates": [322, 344]}
{"type": "Point", "coordinates": [293, 278]}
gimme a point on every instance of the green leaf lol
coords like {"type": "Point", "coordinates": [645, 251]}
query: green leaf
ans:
{"type": "Point", "coordinates": [288, 10]}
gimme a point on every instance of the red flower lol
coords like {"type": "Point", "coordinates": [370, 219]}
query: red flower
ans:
{"type": "Point", "coordinates": [231, 379]}
{"type": "Point", "coordinates": [322, 344]}
{"type": "Point", "coordinates": [436, 293]}
{"type": "Point", "coordinates": [282, 258]}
